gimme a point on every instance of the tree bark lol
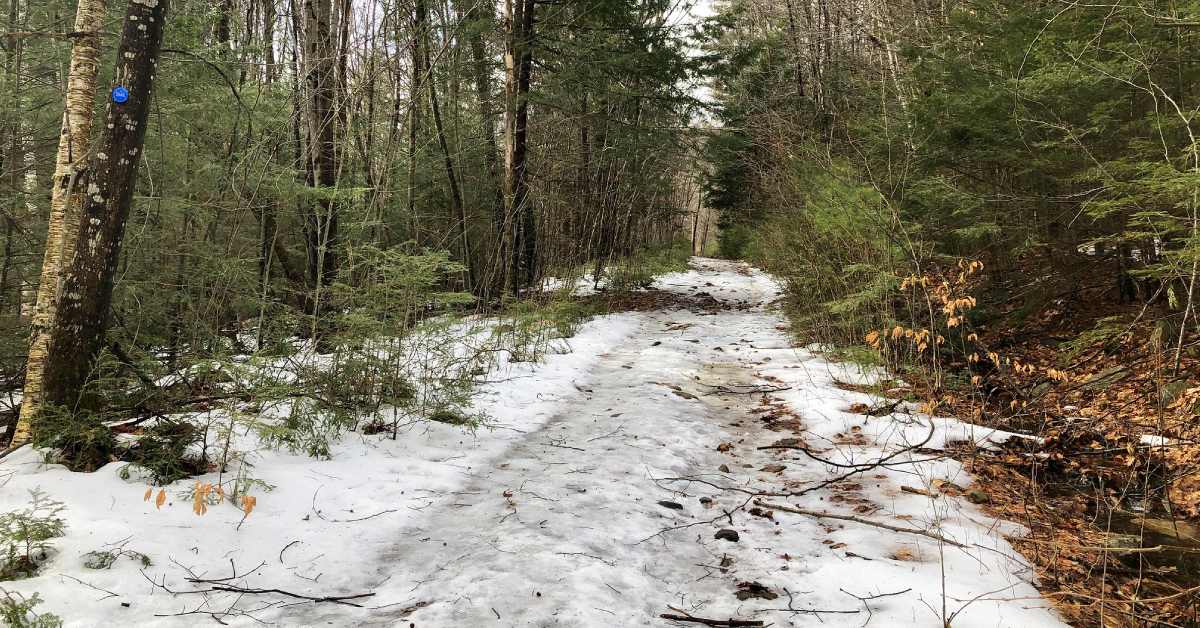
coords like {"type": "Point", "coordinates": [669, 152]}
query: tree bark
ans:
{"type": "Point", "coordinates": [518, 63]}
{"type": "Point", "coordinates": [66, 197]}
{"type": "Point", "coordinates": [321, 168]}
{"type": "Point", "coordinates": [78, 332]}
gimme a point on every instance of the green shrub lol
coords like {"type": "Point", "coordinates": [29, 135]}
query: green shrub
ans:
{"type": "Point", "coordinates": [529, 329]}
{"type": "Point", "coordinates": [733, 242]}
{"type": "Point", "coordinates": [78, 440]}
{"type": "Point", "coordinates": [25, 535]}
{"type": "Point", "coordinates": [16, 611]}
{"type": "Point", "coordinates": [163, 451]}
{"type": "Point", "coordinates": [639, 270]}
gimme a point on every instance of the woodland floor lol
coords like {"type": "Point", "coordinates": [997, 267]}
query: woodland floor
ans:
{"type": "Point", "coordinates": [595, 497]}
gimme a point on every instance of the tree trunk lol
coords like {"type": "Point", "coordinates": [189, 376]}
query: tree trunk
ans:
{"type": "Point", "coordinates": [414, 128]}
{"type": "Point", "coordinates": [78, 332]}
{"type": "Point", "coordinates": [797, 56]}
{"type": "Point", "coordinates": [321, 219]}
{"type": "Point", "coordinates": [220, 30]}
{"type": "Point", "coordinates": [66, 196]}
{"type": "Point", "coordinates": [458, 211]}
{"type": "Point", "coordinates": [478, 23]}
{"type": "Point", "coordinates": [518, 62]}
{"type": "Point", "coordinates": [270, 71]}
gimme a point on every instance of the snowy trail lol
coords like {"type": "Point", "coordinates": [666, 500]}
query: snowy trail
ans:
{"type": "Point", "coordinates": [564, 528]}
{"type": "Point", "coordinates": [552, 517]}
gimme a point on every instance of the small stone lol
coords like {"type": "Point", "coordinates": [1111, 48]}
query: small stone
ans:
{"type": "Point", "coordinates": [774, 468]}
{"type": "Point", "coordinates": [671, 505]}
{"type": "Point", "coordinates": [723, 468]}
{"type": "Point", "coordinates": [726, 534]}
{"type": "Point", "coordinates": [707, 502]}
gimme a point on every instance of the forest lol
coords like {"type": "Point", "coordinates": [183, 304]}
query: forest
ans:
{"type": "Point", "coordinates": [599, 313]}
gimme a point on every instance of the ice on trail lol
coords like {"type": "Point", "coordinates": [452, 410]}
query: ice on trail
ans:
{"type": "Point", "coordinates": [594, 500]}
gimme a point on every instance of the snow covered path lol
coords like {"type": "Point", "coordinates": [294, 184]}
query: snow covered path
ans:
{"type": "Point", "coordinates": [595, 502]}
{"type": "Point", "coordinates": [565, 527]}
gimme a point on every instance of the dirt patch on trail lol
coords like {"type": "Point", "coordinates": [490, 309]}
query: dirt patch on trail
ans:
{"type": "Point", "coordinates": [651, 300]}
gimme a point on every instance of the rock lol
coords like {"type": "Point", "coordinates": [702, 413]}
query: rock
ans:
{"type": "Point", "coordinates": [671, 505]}
{"type": "Point", "coordinates": [725, 534]}
{"type": "Point", "coordinates": [723, 468]}
{"type": "Point", "coordinates": [1107, 378]}
{"type": "Point", "coordinates": [774, 468]}
{"type": "Point", "coordinates": [978, 497]}
{"type": "Point", "coordinates": [1173, 390]}
{"type": "Point", "coordinates": [707, 502]}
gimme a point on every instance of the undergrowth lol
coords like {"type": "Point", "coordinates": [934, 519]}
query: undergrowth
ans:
{"type": "Point", "coordinates": [16, 611]}
{"type": "Point", "coordinates": [25, 535]}
{"type": "Point", "coordinates": [396, 348]}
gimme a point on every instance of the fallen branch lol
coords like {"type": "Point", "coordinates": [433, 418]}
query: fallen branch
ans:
{"type": "Point", "coordinates": [711, 622]}
{"type": "Point", "coordinates": [825, 515]}
{"type": "Point", "coordinates": [336, 599]}
{"type": "Point", "coordinates": [753, 390]}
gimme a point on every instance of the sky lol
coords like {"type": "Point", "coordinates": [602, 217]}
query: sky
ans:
{"type": "Point", "coordinates": [693, 13]}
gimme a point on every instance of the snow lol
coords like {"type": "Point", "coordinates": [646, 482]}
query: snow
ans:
{"type": "Point", "coordinates": [550, 516]}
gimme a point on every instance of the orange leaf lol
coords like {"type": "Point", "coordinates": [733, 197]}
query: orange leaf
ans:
{"type": "Point", "coordinates": [161, 499]}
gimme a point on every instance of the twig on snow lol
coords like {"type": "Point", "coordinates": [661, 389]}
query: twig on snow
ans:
{"type": "Point", "coordinates": [826, 515]}
{"type": "Point", "coordinates": [327, 519]}
{"type": "Point", "coordinates": [868, 598]}
{"type": "Point", "coordinates": [791, 608]}
{"type": "Point", "coordinates": [92, 586]}
{"type": "Point", "coordinates": [285, 548]}
{"type": "Point", "coordinates": [336, 599]}
{"type": "Point", "coordinates": [686, 617]}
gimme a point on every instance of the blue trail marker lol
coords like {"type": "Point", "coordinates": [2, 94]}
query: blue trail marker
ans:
{"type": "Point", "coordinates": [120, 94]}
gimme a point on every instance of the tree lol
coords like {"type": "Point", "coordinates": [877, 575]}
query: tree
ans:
{"type": "Point", "coordinates": [77, 335]}
{"type": "Point", "coordinates": [321, 156]}
{"type": "Point", "coordinates": [519, 232]}
{"type": "Point", "coordinates": [458, 210]}
{"type": "Point", "coordinates": [66, 196]}
{"type": "Point", "coordinates": [480, 18]}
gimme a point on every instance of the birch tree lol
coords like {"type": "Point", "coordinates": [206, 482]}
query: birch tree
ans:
{"type": "Point", "coordinates": [65, 201]}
